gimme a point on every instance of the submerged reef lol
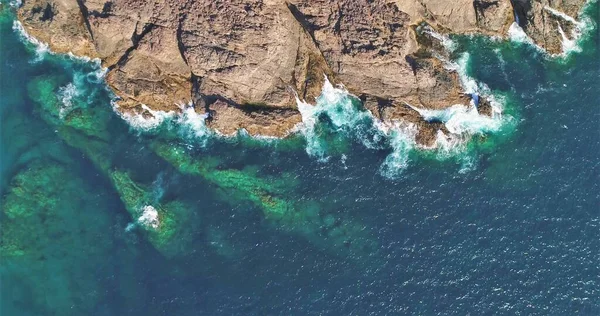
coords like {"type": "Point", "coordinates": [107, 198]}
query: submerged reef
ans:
{"type": "Point", "coordinates": [50, 230]}
{"type": "Point", "coordinates": [169, 225]}
{"type": "Point", "coordinates": [87, 128]}
{"type": "Point", "coordinates": [274, 198]}
{"type": "Point", "coordinates": [166, 225]}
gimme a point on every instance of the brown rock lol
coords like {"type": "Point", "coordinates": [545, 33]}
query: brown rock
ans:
{"type": "Point", "coordinates": [542, 25]}
{"type": "Point", "coordinates": [59, 23]}
{"type": "Point", "coordinates": [242, 60]}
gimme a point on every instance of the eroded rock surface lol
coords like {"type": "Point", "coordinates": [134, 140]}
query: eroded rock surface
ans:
{"type": "Point", "coordinates": [243, 61]}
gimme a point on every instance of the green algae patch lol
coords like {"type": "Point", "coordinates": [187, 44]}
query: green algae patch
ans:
{"type": "Point", "coordinates": [167, 225]}
{"type": "Point", "coordinates": [273, 197]}
{"type": "Point", "coordinates": [54, 225]}
{"type": "Point", "coordinates": [65, 106]}
{"type": "Point", "coordinates": [33, 190]}
{"type": "Point", "coordinates": [87, 129]}
{"type": "Point", "coordinates": [163, 223]}
{"type": "Point", "coordinates": [236, 184]}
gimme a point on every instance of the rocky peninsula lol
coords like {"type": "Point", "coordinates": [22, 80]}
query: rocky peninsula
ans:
{"type": "Point", "coordinates": [244, 62]}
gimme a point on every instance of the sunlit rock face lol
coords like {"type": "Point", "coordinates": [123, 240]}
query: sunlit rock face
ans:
{"type": "Point", "coordinates": [243, 63]}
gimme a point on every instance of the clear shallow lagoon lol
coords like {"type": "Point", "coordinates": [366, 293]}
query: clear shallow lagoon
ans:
{"type": "Point", "coordinates": [509, 224]}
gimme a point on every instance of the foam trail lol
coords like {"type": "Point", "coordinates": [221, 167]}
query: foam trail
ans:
{"type": "Point", "coordinates": [66, 95]}
{"type": "Point", "coordinates": [568, 45]}
{"type": "Point", "coordinates": [41, 48]}
{"type": "Point", "coordinates": [449, 44]}
{"type": "Point", "coordinates": [144, 122]}
{"type": "Point", "coordinates": [503, 66]}
{"type": "Point", "coordinates": [563, 16]}
{"type": "Point", "coordinates": [402, 141]}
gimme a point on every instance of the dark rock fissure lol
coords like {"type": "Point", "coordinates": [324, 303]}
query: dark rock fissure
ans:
{"type": "Point", "coordinates": [85, 14]}
{"type": "Point", "coordinates": [480, 6]}
{"type": "Point", "coordinates": [521, 10]}
{"type": "Point", "coordinates": [135, 40]}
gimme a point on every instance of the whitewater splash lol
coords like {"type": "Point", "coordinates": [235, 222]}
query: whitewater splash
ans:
{"type": "Point", "coordinates": [460, 119]}
{"type": "Point", "coordinates": [343, 112]}
{"type": "Point", "coordinates": [65, 95]}
{"type": "Point", "coordinates": [345, 116]}
{"type": "Point", "coordinates": [41, 48]}
{"type": "Point", "coordinates": [448, 44]}
{"type": "Point", "coordinates": [149, 217]}
{"type": "Point", "coordinates": [402, 140]}
{"type": "Point", "coordinates": [146, 121]}
{"type": "Point", "coordinates": [569, 43]}
{"type": "Point", "coordinates": [186, 123]}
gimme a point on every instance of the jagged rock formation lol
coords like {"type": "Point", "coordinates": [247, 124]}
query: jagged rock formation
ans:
{"type": "Point", "coordinates": [541, 20]}
{"type": "Point", "coordinates": [242, 60]}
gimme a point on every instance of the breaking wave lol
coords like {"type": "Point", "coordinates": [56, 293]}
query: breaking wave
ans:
{"type": "Point", "coordinates": [339, 111]}
{"type": "Point", "coordinates": [344, 116]}
{"type": "Point", "coordinates": [66, 95]}
{"type": "Point", "coordinates": [336, 118]}
{"type": "Point", "coordinates": [40, 48]}
{"type": "Point", "coordinates": [571, 43]}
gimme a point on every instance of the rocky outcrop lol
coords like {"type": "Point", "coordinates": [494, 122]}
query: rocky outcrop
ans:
{"type": "Point", "coordinates": [243, 61]}
{"type": "Point", "coordinates": [544, 20]}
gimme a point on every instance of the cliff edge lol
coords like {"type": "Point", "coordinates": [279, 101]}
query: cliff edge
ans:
{"type": "Point", "coordinates": [243, 61]}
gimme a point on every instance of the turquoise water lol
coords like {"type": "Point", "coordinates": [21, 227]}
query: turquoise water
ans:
{"type": "Point", "coordinates": [346, 218]}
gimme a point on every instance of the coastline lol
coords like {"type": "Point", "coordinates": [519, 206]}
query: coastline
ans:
{"type": "Point", "coordinates": [444, 143]}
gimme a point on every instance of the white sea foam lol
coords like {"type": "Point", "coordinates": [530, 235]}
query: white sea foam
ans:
{"type": "Point", "coordinates": [149, 217]}
{"type": "Point", "coordinates": [341, 108]}
{"type": "Point", "coordinates": [66, 95]}
{"type": "Point", "coordinates": [130, 227]}
{"type": "Point", "coordinates": [401, 137]}
{"type": "Point", "coordinates": [145, 121]}
{"type": "Point", "coordinates": [517, 34]}
{"type": "Point", "coordinates": [193, 125]}
{"type": "Point", "coordinates": [562, 15]}
{"type": "Point", "coordinates": [41, 48]}
{"type": "Point", "coordinates": [461, 119]}
{"type": "Point", "coordinates": [569, 43]}
{"type": "Point", "coordinates": [448, 44]}
{"type": "Point", "coordinates": [15, 3]}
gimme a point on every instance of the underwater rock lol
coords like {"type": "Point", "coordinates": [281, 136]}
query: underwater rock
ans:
{"type": "Point", "coordinates": [163, 223]}
{"type": "Point", "coordinates": [51, 230]}
{"type": "Point", "coordinates": [305, 218]}
{"type": "Point", "coordinates": [86, 128]}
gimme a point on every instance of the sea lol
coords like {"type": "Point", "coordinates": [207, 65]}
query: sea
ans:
{"type": "Point", "coordinates": [112, 214]}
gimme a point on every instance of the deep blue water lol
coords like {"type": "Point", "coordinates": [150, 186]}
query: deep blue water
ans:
{"type": "Point", "coordinates": [518, 233]}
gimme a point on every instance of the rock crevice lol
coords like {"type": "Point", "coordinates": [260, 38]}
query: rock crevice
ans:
{"type": "Point", "coordinates": [243, 61]}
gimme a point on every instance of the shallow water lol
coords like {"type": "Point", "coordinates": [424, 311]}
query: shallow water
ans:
{"type": "Point", "coordinates": [355, 220]}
